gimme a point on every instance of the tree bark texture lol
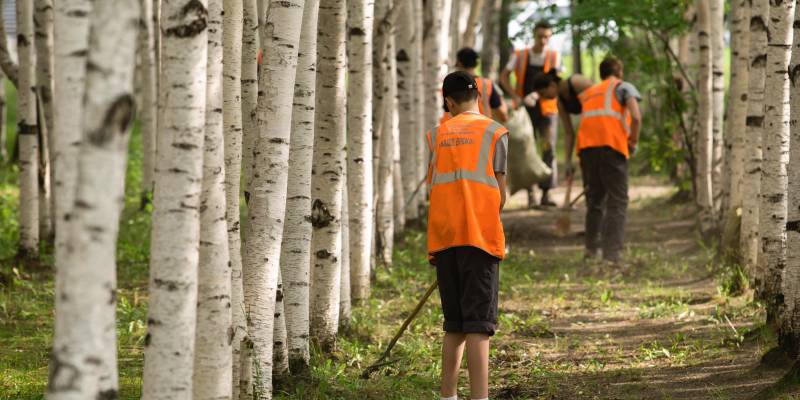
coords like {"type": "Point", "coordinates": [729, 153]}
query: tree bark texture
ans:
{"type": "Point", "coordinates": [704, 141]}
{"type": "Point", "coordinates": [3, 104]}
{"type": "Point", "coordinates": [468, 39]}
{"type": "Point", "coordinates": [419, 104]}
{"type": "Point", "coordinates": [345, 299]}
{"type": "Point", "coordinates": [43, 38]}
{"type": "Point", "coordinates": [280, 355]}
{"type": "Point", "coordinates": [174, 252]}
{"type": "Point", "coordinates": [27, 135]}
{"type": "Point", "coordinates": [385, 95]}
{"type": "Point", "coordinates": [405, 38]}
{"type": "Point", "coordinates": [7, 64]}
{"type": "Point", "coordinates": [717, 8]}
{"type": "Point", "coordinates": [489, 29]}
{"type": "Point", "coordinates": [148, 109]}
{"type": "Point", "coordinates": [433, 62]}
{"type": "Point", "coordinates": [249, 89]}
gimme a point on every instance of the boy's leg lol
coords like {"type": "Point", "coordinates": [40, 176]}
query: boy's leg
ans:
{"type": "Point", "coordinates": [452, 350]}
{"type": "Point", "coordinates": [478, 365]}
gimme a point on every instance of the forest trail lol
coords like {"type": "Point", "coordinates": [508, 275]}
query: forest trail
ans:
{"type": "Point", "coordinates": [657, 329]}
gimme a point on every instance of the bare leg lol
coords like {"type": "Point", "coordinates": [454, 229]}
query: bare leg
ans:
{"type": "Point", "coordinates": [478, 365]}
{"type": "Point", "coordinates": [452, 350]}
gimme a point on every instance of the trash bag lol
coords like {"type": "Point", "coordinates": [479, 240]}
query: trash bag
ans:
{"type": "Point", "coordinates": [525, 167]}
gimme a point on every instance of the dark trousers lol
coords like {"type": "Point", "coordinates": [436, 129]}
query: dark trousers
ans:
{"type": "Point", "coordinates": [605, 178]}
{"type": "Point", "coordinates": [545, 129]}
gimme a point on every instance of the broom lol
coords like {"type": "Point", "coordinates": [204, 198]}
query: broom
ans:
{"type": "Point", "coordinates": [563, 221]}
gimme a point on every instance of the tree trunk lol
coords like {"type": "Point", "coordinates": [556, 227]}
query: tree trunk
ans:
{"type": "Point", "coordinates": [385, 95]}
{"type": "Point", "coordinates": [71, 49]}
{"type": "Point", "coordinates": [751, 182]}
{"type": "Point", "coordinates": [419, 103]}
{"type": "Point", "coordinates": [3, 103]}
{"type": "Point", "coordinates": [45, 197]}
{"type": "Point", "coordinates": [577, 61]}
{"type": "Point", "coordinates": [468, 40]}
{"type": "Point", "coordinates": [406, 40]}
{"type": "Point", "coordinates": [27, 135]}
{"type": "Point", "coordinates": [280, 355]}
{"type": "Point", "coordinates": [718, 100]}
{"type": "Point", "coordinates": [452, 34]}
{"type": "Point", "coordinates": [169, 346]}
{"type": "Point", "coordinates": [250, 49]}
{"type": "Point", "coordinates": [232, 25]}
{"type": "Point", "coordinates": [489, 29]}
{"type": "Point", "coordinates": [7, 64]}
{"type": "Point", "coordinates": [267, 204]}
{"type": "Point", "coordinates": [705, 115]}
{"type": "Point", "coordinates": [84, 362]}
{"type": "Point", "coordinates": [736, 124]}
{"type": "Point", "coordinates": [398, 192]}
{"type": "Point", "coordinates": [213, 352]}
{"type": "Point", "coordinates": [296, 248]}
{"type": "Point", "coordinates": [359, 146]}
{"type": "Point", "coordinates": [433, 62]}
{"type": "Point", "coordinates": [148, 109]}
{"type": "Point", "coordinates": [43, 38]}
{"type": "Point", "coordinates": [789, 334]}
{"type": "Point", "coordinates": [774, 180]}
{"type": "Point", "coordinates": [506, 47]}
{"type": "Point", "coordinates": [326, 177]}
{"type": "Point", "coordinates": [345, 309]}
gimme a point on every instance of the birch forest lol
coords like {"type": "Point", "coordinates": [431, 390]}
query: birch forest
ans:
{"type": "Point", "coordinates": [229, 199]}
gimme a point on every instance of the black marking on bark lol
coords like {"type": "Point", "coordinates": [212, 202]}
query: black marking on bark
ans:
{"type": "Point", "coordinates": [153, 322]}
{"type": "Point", "coordinates": [323, 254]}
{"type": "Point", "coordinates": [759, 62]}
{"type": "Point", "coordinates": [147, 339]}
{"type": "Point", "coordinates": [117, 120]}
{"type": "Point", "coordinates": [26, 129]}
{"type": "Point", "coordinates": [279, 295]}
{"type": "Point", "coordinates": [168, 284]}
{"type": "Point", "coordinates": [755, 121]}
{"type": "Point", "coordinates": [113, 298]}
{"type": "Point", "coordinates": [402, 56]}
{"type": "Point", "coordinates": [744, 97]}
{"type": "Point", "coordinates": [357, 31]}
{"type": "Point", "coordinates": [277, 141]}
{"type": "Point", "coordinates": [77, 14]}
{"type": "Point", "coordinates": [196, 16]}
{"type": "Point", "coordinates": [93, 360]}
{"type": "Point", "coordinates": [794, 73]}
{"type": "Point", "coordinates": [320, 215]}
{"type": "Point", "coordinates": [184, 146]}
{"type": "Point", "coordinates": [22, 41]}
{"type": "Point", "coordinates": [793, 226]}
{"type": "Point", "coordinates": [63, 375]}
{"type": "Point", "coordinates": [231, 334]}
{"type": "Point", "coordinates": [109, 394]}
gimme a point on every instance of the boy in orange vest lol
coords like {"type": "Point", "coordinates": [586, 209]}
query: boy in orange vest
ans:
{"type": "Point", "coordinates": [466, 174]}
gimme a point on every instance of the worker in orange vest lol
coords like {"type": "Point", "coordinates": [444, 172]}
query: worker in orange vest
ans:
{"type": "Point", "coordinates": [490, 101]}
{"type": "Point", "coordinates": [526, 64]}
{"type": "Point", "coordinates": [467, 178]}
{"type": "Point", "coordinates": [607, 136]}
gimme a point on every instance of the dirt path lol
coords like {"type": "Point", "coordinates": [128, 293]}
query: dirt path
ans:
{"type": "Point", "coordinates": [657, 329]}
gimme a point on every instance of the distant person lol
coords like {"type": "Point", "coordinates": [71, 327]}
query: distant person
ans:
{"type": "Point", "coordinates": [467, 177]}
{"type": "Point", "coordinates": [490, 100]}
{"type": "Point", "coordinates": [526, 64]}
{"type": "Point", "coordinates": [550, 86]}
{"type": "Point", "coordinates": [607, 136]}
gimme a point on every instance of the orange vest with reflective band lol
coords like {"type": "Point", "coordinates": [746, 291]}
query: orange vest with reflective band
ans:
{"type": "Point", "coordinates": [464, 195]}
{"type": "Point", "coordinates": [604, 121]}
{"type": "Point", "coordinates": [485, 89]}
{"type": "Point", "coordinates": [548, 106]}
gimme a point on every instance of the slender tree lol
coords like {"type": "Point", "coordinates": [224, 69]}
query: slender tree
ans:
{"type": "Point", "coordinates": [7, 63]}
{"type": "Point", "coordinates": [148, 109]}
{"type": "Point", "coordinates": [751, 182]}
{"type": "Point", "coordinates": [296, 247]}
{"type": "Point", "coordinates": [359, 146]}
{"type": "Point", "coordinates": [250, 50]}
{"type": "Point", "coordinates": [3, 103]}
{"type": "Point", "coordinates": [267, 204]}
{"type": "Point", "coordinates": [452, 36]}
{"type": "Point", "coordinates": [717, 8]}
{"type": "Point", "coordinates": [417, 51]}
{"type": "Point", "coordinates": [385, 128]}
{"type": "Point", "coordinates": [280, 356]}
{"type": "Point", "coordinates": [433, 61]}
{"type": "Point", "coordinates": [704, 141]}
{"type": "Point", "coordinates": [345, 299]}
{"type": "Point", "coordinates": [84, 363]}
{"type": "Point", "coordinates": [475, 8]}
{"type": "Point", "coordinates": [327, 176]}
{"type": "Point", "coordinates": [774, 180]}
{"type": "Point", "coordinates": [489, 30]}
{"type": "Point", "coordinates": [406, 56]}
{"type": "Point", "coordinates": [43, 38]}
{"type": "Point", "coordinates": [27, 135]}
{"type": "Point", "coordinates": [174, 253]}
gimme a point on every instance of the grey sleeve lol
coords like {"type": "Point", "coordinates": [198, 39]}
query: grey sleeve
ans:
{"type": "Point", "coordinates": [626, 90]}
{"type": "Point", "coordinates": [500, 162]}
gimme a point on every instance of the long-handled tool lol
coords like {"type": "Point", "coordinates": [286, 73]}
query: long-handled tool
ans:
{"type": "Point", "coordinates": [382, 360]}
{"type": "Point", "coordinates": [563, 221]}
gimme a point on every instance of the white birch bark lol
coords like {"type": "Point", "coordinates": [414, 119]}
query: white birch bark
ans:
{"type": "Point", "coordinates": [174, 253]}
{"type": "Point", "coordinates": [280, 356]}
{"type": "Point", "coordinates": [385, 95]}
{"type": "Point", "coordinates": [43, 37]}
{"type": "Point", "coordinates": [345, 299]}
{"type": "Point", "coordinates": [359, 146]}
{"type": "Point", "coordinates": [250, 47]}
{"type": "Point", "coordinates": [3, 104]}
{"type": "Point", "coordinates": [454, 31]}
{"type": "Point", "coordinates": [45, 197]}
{"type": "Point", "coordinates": [7, 63]}
{"type": "Point", "coordinates": [213, 351]}
{"type": "Point", "coordinates": [789, 334]}
{"type": "Point", "coordinates": [774, 180]}
{"type": "Point", "coordinates": [717, 15]}
{"type": "Point", "coordinates": [267, 204]}
{"type": "Point", "coordinates": [751, 182]}
{"type": "Point", "coordinates": [84, 363]}
{"type": "Point", "coordinates": [432, 58]}
{"type": "Point", "coordinates": [398, 193]}
{"type": "Point", "coordinates": [327, 176]}
{"type": "Point", "coordinates": [406, 40]}
{"type": "Point", "coordinates": [417, 51]}
{"type": "Point", "coordinates": [737, 118]}
{"type": "Point", "coordinates": [148, 109]}
{"type": "Point", "coordinates": [489, 32]}
{"type": "Point", "coordinates": [232, 25]}
{"type": "Point", "coordinates": [468, 39]}
{"type": "Point", "coordinates": [704, 142]}
{"type": "Point", "coordinates": [27, 135]}
{"type": "Point", "coordinates": [296, 247]}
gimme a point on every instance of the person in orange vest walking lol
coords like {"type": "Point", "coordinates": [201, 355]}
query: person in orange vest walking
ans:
{"type": "Point", "coordinates": [526, 64]}
{"type": "Point", "coordinates": [607, 136]}
{"type": "Point", "coordinates": [490, 101]}
{"type": "Point", "coordinates": [467, 178]}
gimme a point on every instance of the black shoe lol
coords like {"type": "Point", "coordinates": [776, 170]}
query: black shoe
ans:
{"type": "Point", "coordinates": [546, 202]}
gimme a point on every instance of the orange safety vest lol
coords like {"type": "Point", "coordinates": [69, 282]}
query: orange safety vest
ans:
{"type": "Point", "coordinates": [548, 106]}
{"type": "Point", "coordinates": [485, 89]}
{"type": "Point", "coordinates": [464, 195]}
{"type": "Point", "coordinates": [604, 121]}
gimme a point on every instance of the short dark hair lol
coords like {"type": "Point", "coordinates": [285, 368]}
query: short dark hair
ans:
{"type": "Point", "coordinates": [468, 57]}
{"type": "Point", "coordinates": [542, 25]}
{"type": "Point", "coordinates": [460, 86]}
{"type": "Point", "coordinates": [542, 80]}
{"type": "Point", "coordinates": [611, 66]}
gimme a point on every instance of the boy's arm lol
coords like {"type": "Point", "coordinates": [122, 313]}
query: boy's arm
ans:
{"type": "Point", "coordinates": [632, 104]}
{"type": "Point", "coordinates": [501, 185]}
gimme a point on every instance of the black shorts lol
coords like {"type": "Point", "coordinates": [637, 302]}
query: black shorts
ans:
{"type": "Point", "coordinates": [468, 285]}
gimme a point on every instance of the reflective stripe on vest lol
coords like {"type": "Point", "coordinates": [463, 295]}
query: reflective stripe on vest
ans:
{"type": "Point", "coordinates": [477, 174]}
{"type": "Point", "coordinates": [608, 109]}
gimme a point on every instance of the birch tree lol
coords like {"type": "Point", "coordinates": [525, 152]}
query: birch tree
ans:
{"type": "Point", "coordinates": [433, 62]}
{"type": "Point", "coordinates": [232, 25]}
{"type": "Point", "coordinates": [345, 299]}
{"type": "Point", "coordinates": [328, 173]}
{"type": "Point", "coordinates": [419, 101]}
{"type": "Point", "coordinates": [250, 23]}
{"type": "Point", "coordinates": [43, 39]}
{"type": "Point", "coordinates": [705, 112]}
{"type": "Point", "coordinates": [148, 109]}
{"type": "Point", "coordinates": [789, 332]}
{"type": "Point", "coordinates": [359, 146]}
{"type": "Point", "coordinates": [27, 134]}
{"type": "Point", "coordinates": [717, 8]}
{"type": "Point", "coordinates": [774, 181]}
{"type": "Point", "coordinates": [751, 182]}
{"type": "Point", "coordinates": [280, 356]}
{"type": "Point", "coordinates": [489, 31]}
{"type": "Point", "coordinates": [174, 253]}
{"type": "Point", "coordinates": [468, 40]}
{"type": "Point", "coordinates": [296, 247]}
{"type": "Point", "coordinates": [7, 63]}
{"type": "Point", "coordinates": [84, 363]}
{"type": "Point", "coordinates": [3, 105]}
{"type": "Point", "coordinates": [406, 40]}
{"type": "Point", "coordinates": [267, 204]}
